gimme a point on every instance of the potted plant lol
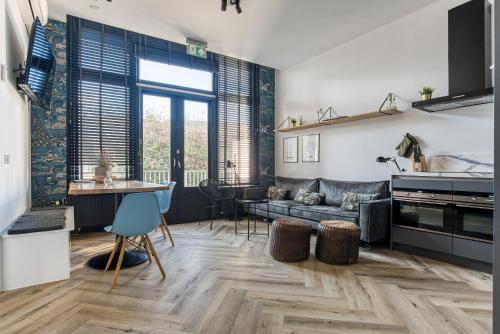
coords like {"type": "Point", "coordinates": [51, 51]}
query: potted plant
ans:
{"type": "Point", "coordinates": [426, 93]}
{"type": "Point", "coordinates": [294, 121]}
{"type": "Point", "coordinates": [103, 165]}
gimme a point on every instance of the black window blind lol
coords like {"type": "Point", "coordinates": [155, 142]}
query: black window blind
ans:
{"type": "Point", "coordinates": [236, 112]}
{"type": "Point", "coordinates": [102, 98]}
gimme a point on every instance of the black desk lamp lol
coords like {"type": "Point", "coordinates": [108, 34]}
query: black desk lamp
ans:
{"type": "Point", "coordinates": [386, 161]}
{"type": "Point", "coordinates": [230, 164]}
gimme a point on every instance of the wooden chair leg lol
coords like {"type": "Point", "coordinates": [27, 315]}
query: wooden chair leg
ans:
{"type": "Point", "coordinates": [119, 263]}
{"type": "Point", "coordinates": [144, 244]}
{"type": "Point", "coordinates": [153, 251]}
{"type": "Point", "coordinates": [165, 224]}
{"type": "Point", "coordinates": [162, 228]}
{"type": "Point", "coordinates": [113, 252]}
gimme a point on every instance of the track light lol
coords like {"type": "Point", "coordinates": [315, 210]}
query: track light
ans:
{"type": "Point", "coordinates": [236, 3]}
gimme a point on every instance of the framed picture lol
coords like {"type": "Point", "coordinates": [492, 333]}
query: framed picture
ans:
{"type": "Point", "coordinates": [291, 149]}
{"type": "Point", "coordinates": [310, 148]}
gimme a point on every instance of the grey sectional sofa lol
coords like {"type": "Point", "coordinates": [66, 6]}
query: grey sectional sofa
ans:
{"type": "Point", "coordinates": [373, 217]}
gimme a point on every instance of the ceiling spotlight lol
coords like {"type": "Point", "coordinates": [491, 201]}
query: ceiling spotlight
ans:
{"type": "Point", "coordinates": [236, 3]}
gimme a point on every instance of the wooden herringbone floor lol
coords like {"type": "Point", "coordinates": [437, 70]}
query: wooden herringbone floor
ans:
{"type": "Point", "coordinates": [219, 283]}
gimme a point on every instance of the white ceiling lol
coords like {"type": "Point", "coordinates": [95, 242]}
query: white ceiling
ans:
{"type": "Point", "coordinates": [276, 33]}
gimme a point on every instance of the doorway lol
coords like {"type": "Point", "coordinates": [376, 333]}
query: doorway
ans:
{"type": "Point", "coordinates": [176, 141]}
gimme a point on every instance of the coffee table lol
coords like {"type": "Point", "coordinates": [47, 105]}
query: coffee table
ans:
{"type": "Point", "coordinates": [249, 203]}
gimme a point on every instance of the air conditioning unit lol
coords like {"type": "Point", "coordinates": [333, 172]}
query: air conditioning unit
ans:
{"type": "Point", "coordinates": [30, 9]}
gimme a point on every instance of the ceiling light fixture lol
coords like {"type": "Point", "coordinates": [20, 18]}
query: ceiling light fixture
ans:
{"type": "Point", "coordinates": [235, 3]}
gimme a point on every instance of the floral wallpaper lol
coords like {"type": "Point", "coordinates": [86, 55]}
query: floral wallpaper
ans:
{"type": "Point", "coordinates": [266, 121]}
{"type": "Point", "coordinates": [48, 130]}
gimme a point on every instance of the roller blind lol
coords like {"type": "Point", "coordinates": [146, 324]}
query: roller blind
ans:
{"type": "Point", "coordinates": [102, 98]}
{"type": "Point", "coordinates": [235, 119]}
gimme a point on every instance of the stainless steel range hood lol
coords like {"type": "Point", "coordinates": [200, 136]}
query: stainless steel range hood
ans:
{"type": "Point", "coordinates": [469, 59]}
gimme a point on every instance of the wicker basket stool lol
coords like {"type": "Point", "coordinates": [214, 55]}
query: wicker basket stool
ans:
{"type": "Point", "coordinates": [290, 240]}
{"type": "Point", "coordinates": [338, 242]}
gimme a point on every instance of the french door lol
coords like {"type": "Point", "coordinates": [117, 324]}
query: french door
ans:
{"type": "Point", "coordinates": [176, 141]}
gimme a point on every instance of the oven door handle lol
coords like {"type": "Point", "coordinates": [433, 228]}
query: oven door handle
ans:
{"type": "Point", "coordinates": [413, 200]}
{"type": "Point", "coordinates": [474, 206]}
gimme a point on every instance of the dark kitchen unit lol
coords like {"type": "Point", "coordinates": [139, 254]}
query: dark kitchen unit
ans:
{"type": "Point", "coordinates": [449, 218]}
{"type": "Point", "coordinates": [469, 58]}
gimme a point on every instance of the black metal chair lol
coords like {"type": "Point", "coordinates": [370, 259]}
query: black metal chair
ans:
{"type": "Point", "coordinates": [218, 192]}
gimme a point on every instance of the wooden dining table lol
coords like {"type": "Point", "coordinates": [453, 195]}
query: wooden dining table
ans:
{"type": "Point", "coordinates": [118, 189]}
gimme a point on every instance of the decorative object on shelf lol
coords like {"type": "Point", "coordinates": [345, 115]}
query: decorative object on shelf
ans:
{"type": "Point", "coordinates": [301, 120]}
{"type": "Point", "coordinates": [103, 165]}
{"type": "Point", "coordinates": [386, 160]}
{"type": "Point", "coordinates": [389, 104]}
{"type": "Point", "coordinates": [290, 149]}
{"type": "Point", "coordinates": [426, 93]}
{"type": "Point", "coordinates": [310, 148]}
{"type": "Point", "coordinates": [419, 164]}
{"type": "Point", "coordinates": [332, 114]}
{"type": "Point", "coordinates": [293, 120]}
{"type": "Point", "coordinates": [405, 147]}
{"type": "Point", "coordinates": [286, 120]}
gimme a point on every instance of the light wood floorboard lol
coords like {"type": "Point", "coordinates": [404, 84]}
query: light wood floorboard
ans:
{"type": "Point", "coordinates": [221, 283]}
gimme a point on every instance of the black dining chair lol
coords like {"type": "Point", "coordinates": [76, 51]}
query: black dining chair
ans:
{"type": "Point", "coordinates": [218, 193]}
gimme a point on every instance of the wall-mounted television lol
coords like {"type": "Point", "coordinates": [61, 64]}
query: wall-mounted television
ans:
{"type": "Point", "coordinates": [38, 75]}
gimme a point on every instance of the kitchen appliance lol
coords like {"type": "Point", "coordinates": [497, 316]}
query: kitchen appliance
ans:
{"type": "Point", "coordinates": [452, 216]}
{"type": "Point", "coordinates": [469, 58]}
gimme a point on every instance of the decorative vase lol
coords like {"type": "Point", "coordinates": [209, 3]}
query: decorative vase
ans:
{"type": "Point", "coordinates": [426, 97]}
{"type": "Point", "coordinates": [100, 174]}
{"type": "Point", "coordinates": [294, 124]}
{"type": "Point", "coordinates": [108, 179]}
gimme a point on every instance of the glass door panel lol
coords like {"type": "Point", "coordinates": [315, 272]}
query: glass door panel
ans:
{"type": "Point", "coordinates": [195, 142]}
{"type": "Point", "coordinates": [156, 132]}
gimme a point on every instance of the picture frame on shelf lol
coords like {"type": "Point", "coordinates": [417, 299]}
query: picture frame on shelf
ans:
{"type": "Point", "coordinates": [310, 148]}
{"type": "Point", "coordinates": [291, 149]}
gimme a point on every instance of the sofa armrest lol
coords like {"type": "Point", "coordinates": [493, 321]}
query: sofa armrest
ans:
{"type": "Point", "coordinates": [254, 192]}
{"type": "Point", "coordinates": [374, 219]}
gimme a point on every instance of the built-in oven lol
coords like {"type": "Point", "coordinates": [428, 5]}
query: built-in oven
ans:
{"type": "Point", "coordinates": [423, 210]}
{"type": "Point", "coordinates": [473, 216]}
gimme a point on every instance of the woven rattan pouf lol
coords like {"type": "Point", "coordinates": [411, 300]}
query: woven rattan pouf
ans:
{"type": "Point", "coordinates": [290, 240]}
{"type": "Point", "coordinates": [338, 242]}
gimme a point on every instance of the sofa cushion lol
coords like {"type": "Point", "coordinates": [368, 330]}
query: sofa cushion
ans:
{"type": "Point", "coordinates": [334, 190]}
{"type": "Point", "coordinates": [323, 212]}
{"type": "Point", "coordinates": [276, 194]}
{"type": "Point", "coordinates": [282, 207]}
{"type": "Point", "coordinates": [294, 185]}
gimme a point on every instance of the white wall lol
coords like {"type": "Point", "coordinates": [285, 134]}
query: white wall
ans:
{"type": "Point", "coordinates": [400, 57]}
{"type": "Point", "coordinates": [14, 118]}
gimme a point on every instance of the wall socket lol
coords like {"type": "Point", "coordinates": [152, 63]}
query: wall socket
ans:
{"type": "Point", "coordinates": [6, 159]}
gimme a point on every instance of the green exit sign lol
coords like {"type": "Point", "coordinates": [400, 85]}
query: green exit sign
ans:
{"type": "Point", "coordinates": [196, 48]}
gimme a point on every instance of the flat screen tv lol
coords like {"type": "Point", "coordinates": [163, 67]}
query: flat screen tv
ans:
{"type": "Point", "coordinates": [37, 78]}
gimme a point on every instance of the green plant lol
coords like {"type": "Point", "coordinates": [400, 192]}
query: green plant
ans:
{"type": "Point", "coordinates": [104, 158]}
{"type": "Point", "coordinates": [427, 90]}
{"type": "Point", "coordinates": [293, 120]}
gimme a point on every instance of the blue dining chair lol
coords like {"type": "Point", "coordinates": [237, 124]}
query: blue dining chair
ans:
{"type": "Point", "coordinates": [164, 200]}
{"type": "Point", "coordinates": [137, 215]}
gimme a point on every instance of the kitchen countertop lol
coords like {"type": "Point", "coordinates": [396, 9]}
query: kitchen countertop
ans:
{"type": "Point", "coordinates": [445, 174]}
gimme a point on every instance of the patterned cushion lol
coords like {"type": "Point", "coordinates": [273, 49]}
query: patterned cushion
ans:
{"type": "Point", "coordinates": [276, 194]}
{"type": "Point", "coordinates": [350, 200]}
{"type": "Point", "coordinates": [314, 199]}
{"type": "Point", "coordinates": [301, 196]}
{"type": "Point", "coordinates": [308, 197]}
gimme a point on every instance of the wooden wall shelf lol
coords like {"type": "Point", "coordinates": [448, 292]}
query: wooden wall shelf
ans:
{"type": "Point", "coordinates": [340, 120]}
